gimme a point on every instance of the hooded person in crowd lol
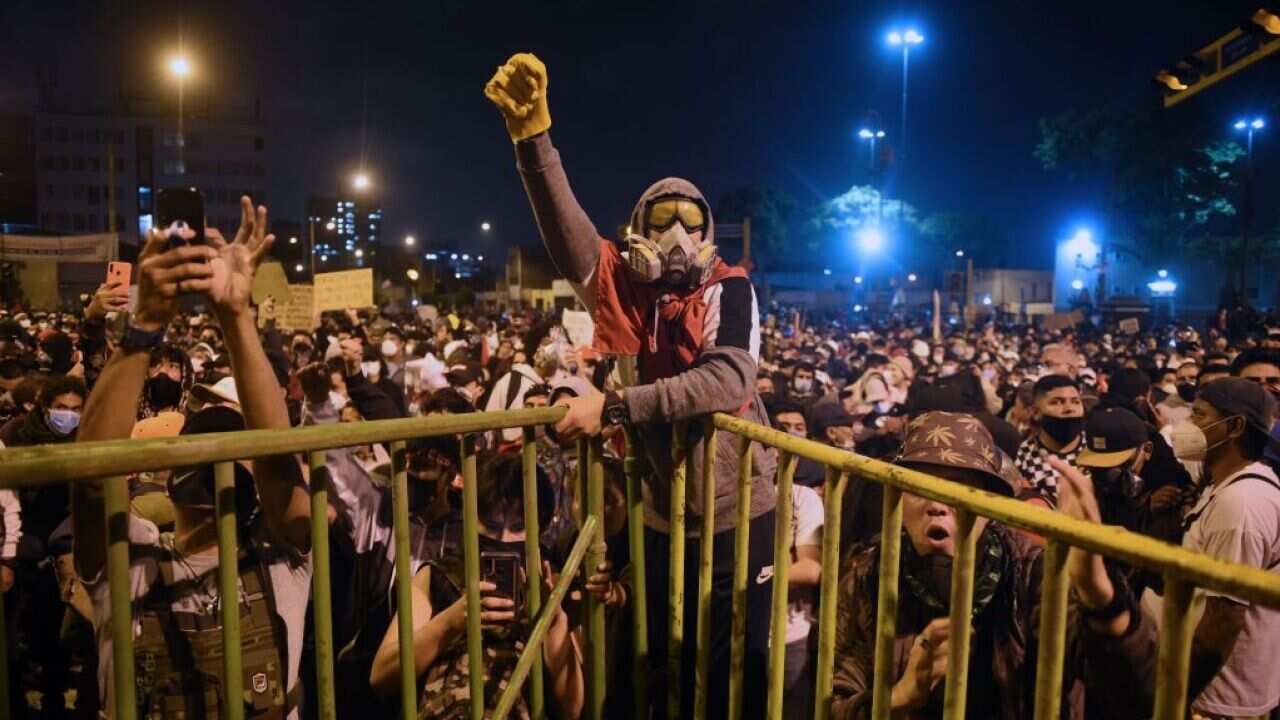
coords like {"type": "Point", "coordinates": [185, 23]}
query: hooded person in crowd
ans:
{"type": "Point", "coordinates": [693, 322]}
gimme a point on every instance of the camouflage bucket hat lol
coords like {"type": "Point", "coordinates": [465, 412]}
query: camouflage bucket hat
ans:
{"type": "Point", "coordinates": [955, 440]}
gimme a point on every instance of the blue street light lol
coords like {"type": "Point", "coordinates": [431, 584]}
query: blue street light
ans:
{"type": "Point", "coordinates": [871, 136]}
{"type": "Point", "coordinates": [870, 239]}
{"type": "Point", "coordinates": [904, 39]}
{"type": "Point", "coordinates": [1249, 126]}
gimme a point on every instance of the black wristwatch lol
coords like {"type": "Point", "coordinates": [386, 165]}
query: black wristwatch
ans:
{"type": "Point", "coordinates": [1121, 600]}
{"type": "Point", "coordinates": [615, 410]}
{"type": "Point", "coordinates": [139, 340]}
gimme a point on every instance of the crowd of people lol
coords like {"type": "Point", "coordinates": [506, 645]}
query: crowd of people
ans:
{"type": "Point", "coordinates": [1170, 433]}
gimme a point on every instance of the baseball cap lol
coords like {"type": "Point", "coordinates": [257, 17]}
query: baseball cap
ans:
{"type": "Point", "coordinates": [1112, 437]}
{"type": "Point", "coordinates": [223, 391]}
{"type": "Point", "coordinates": [1238, 396]}
{"type": "Point", "coordinates": [955, 440]}
{"type": "Point", "coordinates": [573, 386]}
{"type": "Point", "coordinates": [825, 415]}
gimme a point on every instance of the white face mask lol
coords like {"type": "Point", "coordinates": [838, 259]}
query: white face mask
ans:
{"type": "Point", "coordinates": [197, 365]}
{"type": "Point", "coordinates": [803, 385]}
{"type": "Point", "coordinates": [389, 348]}
{"type": "Point", "coordinates": [1189, 441]}
{"type": "Point", "coordinates": [371, 370]}
{"type": "Point", "coordinates": [337, 400]}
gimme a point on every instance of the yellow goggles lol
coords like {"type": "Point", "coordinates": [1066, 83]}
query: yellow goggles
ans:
{"type": "Point", "coordinates": [665, 213]}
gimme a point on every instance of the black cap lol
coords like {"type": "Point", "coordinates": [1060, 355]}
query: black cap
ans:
{"type": "Point", "coordinates": [1112, 437]}
{"type": "Point", "coordinates": [1238, 396]}
{"type": "Point", "coordinates": [825, 415]}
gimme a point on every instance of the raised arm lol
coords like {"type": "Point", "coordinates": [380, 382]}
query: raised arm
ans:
{"type": "Point", "coordinates": [519, 89]}
{"type": "Point", "coordinates": [109, 413]}
{"type": "Point", "coordinates": [282, 489]}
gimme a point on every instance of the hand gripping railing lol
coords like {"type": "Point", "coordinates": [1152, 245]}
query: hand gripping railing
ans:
{"type": "Point", "coordinates": [111, 461]}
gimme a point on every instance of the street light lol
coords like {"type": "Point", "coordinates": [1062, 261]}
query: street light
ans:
{"type": "Point", "coordinates": [409, 241]}
{"type": "Point", "coordinates": [486, 226]}
{"type": "Point", "coordinates": [1249, 127]}
{"type": "Point", "coordinates": [180, 68]}
{"type": "Point", "coordinates": [871, 136]}
{"type": "Point", "coordinates": [870, 239]}
{"type": "Point", "coordinates": [911, 277]}
{"type": "Point", "coordinates": [297, 268]}
{"type": "Point", "coordinates": [904, 39]}
{"type": "Point", "coordinates": [412, 274]}
{"type": "Point", "coordinates": [293, 240]}
{"type": "Point", "coordinates": [329, 225]}
{"type": "Point", "coordinates": [360, 181]}
{"type": "Point", "coordinates": [959, 253]}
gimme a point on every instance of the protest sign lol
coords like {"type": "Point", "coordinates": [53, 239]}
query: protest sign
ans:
{"type": "Point", "coordinates": [344, 290]}
{"type": "Point", "coordinates": [579, 326]}
{"type": "Point", "coordinates": [300, 312]}
{"type": "Point", "coordinates": [270, 280]}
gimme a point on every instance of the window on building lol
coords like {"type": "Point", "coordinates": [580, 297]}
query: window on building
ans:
{"type": "Point", "coordinates": [77, 222]}
{"type": "Point", "coordinates": [63, 165]}
{"type": "Point", "coordinates": [173, 138]}
{"type": "Point", "coordinates": [46, 134]}
{"type": "Point", "coordinates": [77, 191]}
{"type": "Point", "coordinates": [174, 167]}
{"type": "Point", "coordinates": [50, 190]}
{"type": "Point", "coordinates": [94, 196]}
{"type": "Point", "coordinates": [94, 136]}
{"type": "Point", "coordinates": [119, 165]}
{"type": "Point", "coordinates": [78, 163]}
{"type": "Point", "coordinates": [258, 170]}
{"type": "Point", "coordinates": [61, 134]}
{"type": "Point", "coordinates": [95, 164]}
{"type": "Point", "coordinates": [93, 223]}
{"type": "Point", "coordinates": [46, 162]}
{"type": "Point", "coordinates": [46, 220]}
{"type": "Point", "coordinates": [193, 141]}
{"type": "Point", "coordinates": [259, 143]}
{"type": "Point", "coordinates": [77, 135]}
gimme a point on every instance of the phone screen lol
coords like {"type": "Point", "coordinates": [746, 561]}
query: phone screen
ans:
{"type": "Point", "coordinates": [179, 208]}
{"type": "Point", "coordinates": [506, 571]}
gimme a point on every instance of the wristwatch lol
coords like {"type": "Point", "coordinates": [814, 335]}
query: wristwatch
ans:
{"type": "Point", "coordinates": [137, 339]}
{"type": "Point", "coordinates": [615, 410]}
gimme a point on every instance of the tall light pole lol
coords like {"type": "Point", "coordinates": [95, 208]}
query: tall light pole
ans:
{"type": "Point", "coordinates": [1246, 210]}
{"type": "Point", "coordinates": [871, 136]}
{"type": "Point", "coordinates": [904, 39]}
{"type": "Point", "coordinates": [180, 68]}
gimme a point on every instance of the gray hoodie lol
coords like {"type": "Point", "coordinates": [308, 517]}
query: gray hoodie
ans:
{"type": "Point", "coordinates": [722, 379]}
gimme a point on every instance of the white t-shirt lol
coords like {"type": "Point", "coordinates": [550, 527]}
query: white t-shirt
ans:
{"type": "Point", "coordinates": [290, 585]}
{"type": "Point", "coordinates": [807, 518]}
{"type": "Point", "coordinates": [1239, 521]}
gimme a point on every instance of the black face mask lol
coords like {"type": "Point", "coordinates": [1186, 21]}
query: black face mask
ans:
{"type": "Point", "coordinates": [163, 392]}
{"type": "Point", "coordinates": [1187, 391]}
{"type": "Point", "coordinates": [1062, 430]}
{"type": "Point", "coordinates": [1118, 482]}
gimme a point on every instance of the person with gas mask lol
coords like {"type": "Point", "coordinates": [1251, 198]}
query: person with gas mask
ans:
{"type": "Point", "coordinates": [692, 321]}
{"type": "Point", "coordinates": [173, 576]}
{"type": "Point", "coordinates": [1236, 519]}
{"type": "Point", "coordinates": [1059, 419]}
{"type": "Point", "coordinates": [1109, 659]}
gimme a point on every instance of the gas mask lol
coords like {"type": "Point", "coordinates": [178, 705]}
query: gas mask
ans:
{"type": "Point", "coordinates": [667, 252]}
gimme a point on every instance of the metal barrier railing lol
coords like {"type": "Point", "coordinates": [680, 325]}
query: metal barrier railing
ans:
{"type": "Point", "coordinates": [1183, 570]}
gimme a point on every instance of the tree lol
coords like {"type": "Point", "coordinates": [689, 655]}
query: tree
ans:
{"type": "Point", "coordinates": [771, 211]}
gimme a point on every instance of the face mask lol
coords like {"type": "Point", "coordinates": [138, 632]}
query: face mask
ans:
{"type": "Point", "coordinates": [803, 385]}
{"type": "Point", "coordinates": [1062, 430]}
{"type": "Point", "coordinates": [1169, 389]}
{"type": "Point", "coordinates": [937, 358]}
{"type": "Point", "coordinates": [1118, 481]}
{"type": "Point", "coordinates": [337, 401]}
{"type": "Point", "coordinates": [847, 446]}
{"type": "Point", "coordinates": [197, 365]}
{"type": "Point", "coordinates": [163, 392]}
{"type": "Point", "coordinates": [795, 433]}
{"type": "Point", "coordinates": [671, 257]}
{"type": "Point", "coordinates": [389, 348]}
{"type": "Point", "coordinates": [989, 375]}
{"type": "Point", "coordinates": [947, 370]}
{"type": "Point", "coordinates": [371, 370]}
{"type": "Point", "coordinates": [64, 422]}
{"type": "Point", "coordinates": [1187, 391]}
{"type": "Point", "coordinates": [1190, 442]}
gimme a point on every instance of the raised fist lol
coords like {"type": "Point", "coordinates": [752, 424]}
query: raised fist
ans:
{"type": "Point", "coordinates": [519, 89]}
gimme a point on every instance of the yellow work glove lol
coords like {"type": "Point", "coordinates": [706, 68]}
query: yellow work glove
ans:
{"type": "Point", "coordinates": [519, 89]}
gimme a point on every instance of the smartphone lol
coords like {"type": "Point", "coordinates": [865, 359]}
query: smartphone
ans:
{"type": "Point", "coordinates": [178, 208]}
{"type": "Point", "coordinates": [506, 571]}
{"type": "Point", "coordinates": [118, 274]}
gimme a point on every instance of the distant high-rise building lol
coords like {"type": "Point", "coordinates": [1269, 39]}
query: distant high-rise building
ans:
{"type": "Point", "coordinates": [130, 148]}
{"type": "Point", "coordinates": [17, 174]}
{"type": "Point", "coordinates": [348, 231]}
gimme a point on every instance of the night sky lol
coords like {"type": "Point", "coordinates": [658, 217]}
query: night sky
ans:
{"type": "Point", "coordinates": [727, 94]}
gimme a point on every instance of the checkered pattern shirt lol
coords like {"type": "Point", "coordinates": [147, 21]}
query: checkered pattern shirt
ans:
{"type": "Point", "coordinates": [1033, 464]}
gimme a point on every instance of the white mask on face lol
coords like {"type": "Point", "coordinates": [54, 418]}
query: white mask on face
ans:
{"type": "Point", "coordinates": [197, 365]}
{"type": "Point", "coordinates": [371, 370]}
{"type": "Point", "coordinates": [1189, 441]}
{"type": "Point", "coordinates": [389, 348]}
{"type": "Point", "coordinates": [337, 400]}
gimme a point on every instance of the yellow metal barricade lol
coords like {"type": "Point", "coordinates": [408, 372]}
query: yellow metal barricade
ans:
{"type": "Point", "coordinates": [1183, 571]}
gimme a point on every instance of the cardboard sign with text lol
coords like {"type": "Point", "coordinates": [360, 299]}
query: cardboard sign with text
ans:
{"type": "Point", "coordinates": [1129, 326]}
{"type": "Point", "coordinates": [344, 290]}
{"type": "Point", "coordinates": [300, 312]}
{"type": "Point", "coordinates": [270, 281]}
{"type": "Point", "coordinates": [1062, 321]}
{"type": "Point", "coordinates": [579, 326]}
